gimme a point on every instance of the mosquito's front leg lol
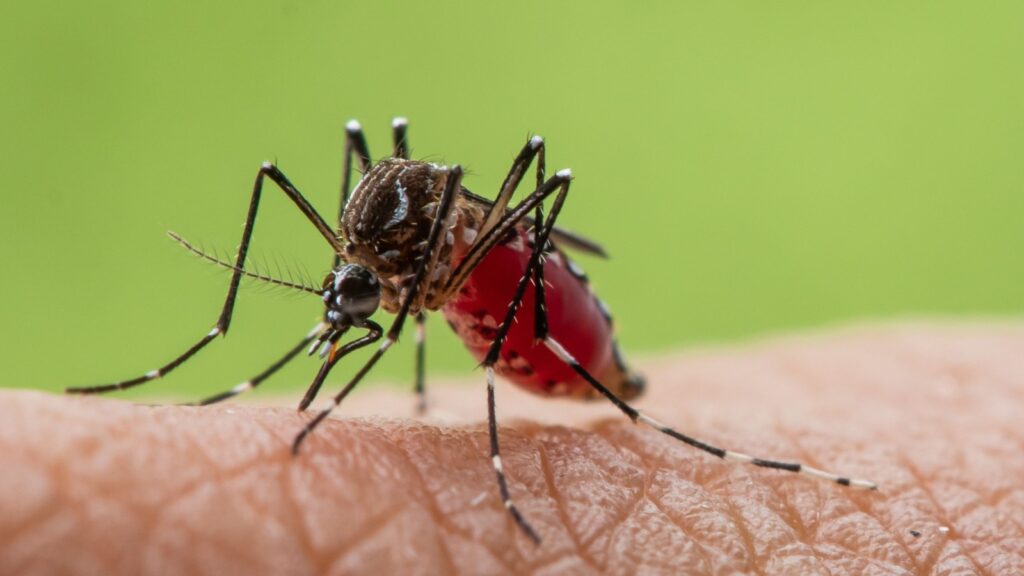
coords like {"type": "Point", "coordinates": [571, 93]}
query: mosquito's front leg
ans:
{"type": "Point", "coordinates": [267, 170]}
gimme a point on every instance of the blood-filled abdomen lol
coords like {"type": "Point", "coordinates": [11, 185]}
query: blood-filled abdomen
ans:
{"type": "Point", "coordinates": [576, 319]}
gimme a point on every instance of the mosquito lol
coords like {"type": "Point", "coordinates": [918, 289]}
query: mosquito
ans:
{"type": "Point", "coordinates": [412, 239]}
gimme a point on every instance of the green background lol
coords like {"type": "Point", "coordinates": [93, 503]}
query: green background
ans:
{"type": "Point", "coordinates": [753, 167]}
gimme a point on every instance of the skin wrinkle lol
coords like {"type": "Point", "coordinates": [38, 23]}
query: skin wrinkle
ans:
{"type": "Point", "coordinates": [371, 527]}
{"type": "Point", "coordinates": [724, 505]}
{"type": "Point", "coordinates": [931, 541]}
{"type": "Point", "coordinates": [310, 462]}
{"type": "Point", "coordinates": [552, 564]}
{"type": "Point", "coordinates": [741, 527]}
{"type": "Point", "coordinates": [62, 467]}
{"type": "Point", "coordinates": [50, 515]}
{"type": "Point", "coordinates": [161, 522]}
{"type": "Point", "coordinates": [999, 497]}
{"type": "Point", "coordinates": [940, 513]}
{"type": "Point", "coordinates": [977, 505]}
{"type": "Point", "coordinates": [648, 480]}
{"type": "Point", "coordinates": [552, 486]}
{"type": "Point", "coordinates": [696, 543]}
{"type": "Point", "coordinates": [619, 519]}
{"type": "Point", "coordinates": [434, 508]}
{"type": "Point", "coordinates": [858, 503]}
{"type": "Point", "coordinates": [796, 367]}
{"type": "Point", "coordinates": [619, 524]}
{"type": "Point", "coordinates": [526, 434]}
{"type": "Point", "coordinates": [792, 520]}
{"type": "Point", "coordinates": [291, 505]}
{"type": "Point", "coordinates": [49, 508]}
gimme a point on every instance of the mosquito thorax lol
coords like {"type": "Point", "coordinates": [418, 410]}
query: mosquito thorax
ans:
{"type": "Point", "coordinates": [351, 294]}
{"type": "Point", "coordinates": [387, 222]}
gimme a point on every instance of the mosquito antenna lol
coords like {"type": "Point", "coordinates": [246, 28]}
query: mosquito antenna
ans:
{"type": "Point", "coordinates": [261, 277]}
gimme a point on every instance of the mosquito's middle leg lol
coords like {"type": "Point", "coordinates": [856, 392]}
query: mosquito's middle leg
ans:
{"type": "Point", "coordinates": [541, 233]}
{"type": "Point", "coordinates": [421, 359]}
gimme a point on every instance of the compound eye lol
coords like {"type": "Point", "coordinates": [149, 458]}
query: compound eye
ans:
{"type": "Point", "coordinates": [352, 294]}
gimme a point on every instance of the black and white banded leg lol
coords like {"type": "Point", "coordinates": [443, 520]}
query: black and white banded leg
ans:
{"type": "Point", "coordinates": [355, 145]}
{"type": "Point", "coordinates": [637, 416]}
{"type": "Point", "coordinates": [399, 127]}
{"type": "Point", "coordinates": [400, 149]}
{"type": "Point", "coordinates": [255, 381]}
{"type": "Point", "coordinates": [435, 237]}
{"type": "Point", "coordinates": [267, 170]}
{"type": "Point", "coordinates": [337, 353]}
{"type": "Point", "coordinates": [541, 232]}
{"type": "Point", "coordinates": [541, 334]}
{"type": "Point", "coordinates": [421, 359]}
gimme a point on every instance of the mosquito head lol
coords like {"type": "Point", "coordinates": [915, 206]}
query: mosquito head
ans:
{"type": "Point", "coordinates": [352, 295]}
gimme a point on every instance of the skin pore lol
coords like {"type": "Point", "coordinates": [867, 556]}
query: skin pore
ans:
{"type": "Point", "coordinates": [930, 412]}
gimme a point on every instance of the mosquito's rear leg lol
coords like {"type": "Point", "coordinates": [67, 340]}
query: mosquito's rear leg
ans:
{"type": "Point", "coordinates": [542, 335]}
{"type": "Point", "coordinates": [267, 170]}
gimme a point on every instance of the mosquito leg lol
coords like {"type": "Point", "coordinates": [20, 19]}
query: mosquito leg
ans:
{"type": "Point", "coordinates": [399, 127]}
{"type": "Point", "coordinates": [540, 239]}
{"type": "Point", "coordinates": [512, 217]}
{"type": "Point", "coordinates": [534, 148]}
{"type": "Point", "coordinates": [400, 139]}
{"type": "Point", "coordinates": [374, 334]}
{"type": "Point", "coordinates": [421, 358]}
{"type": "Point", "coordinates": [355, 144]}
{"type": "Point", "coordinates": [499, 470]}
{"type": "Point", "coordinates": [635, 415]}
{"type": "Point", "coordinates": [434, 240]}
{"type": "Point", "coordinates": [268, 170]}
{"type": "Point", "coordinates": [267, 373]}
{"type": "Point", "coordinates": [538, 271]}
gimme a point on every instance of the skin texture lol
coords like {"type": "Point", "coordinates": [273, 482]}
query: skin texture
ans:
{"type": "Point", "coordinates": [931, 412]}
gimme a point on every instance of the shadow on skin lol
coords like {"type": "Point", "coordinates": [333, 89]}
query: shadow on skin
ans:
{"type": "Point", "coordinates": [932, 413]}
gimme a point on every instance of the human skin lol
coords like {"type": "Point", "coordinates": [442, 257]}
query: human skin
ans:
{"type": "Point", "coordinates": [931, 412]}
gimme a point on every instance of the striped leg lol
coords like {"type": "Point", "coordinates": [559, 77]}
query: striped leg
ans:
{"type": "Point", "coordinates": [434, 240]}
{"type": "Point", "coordinates": [421, 358]}
{"type": "Point", "coordinates": [541, 233]}
{"type": "Point", "coordinates": [267, 170]}
{"type": "Point", "coordinates": [355, 144]}
{"type": "Point", "coordinates": [636, 416]}
{"type": "Point", "coordinates": [400, 142]}
{"type": "Point", "coordinates": [399, 127]}
{"type": "Point", "coordinates": [337, 353]}
{"type": "Point", "coordinates": [541, 334]}
{"type": "Point", "coordinates": [499, 470]}
{"type": "Point", "coordinates": [255, 381]}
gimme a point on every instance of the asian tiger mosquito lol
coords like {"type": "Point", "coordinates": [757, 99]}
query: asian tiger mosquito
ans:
{"type": "Point", "coordinates": [411, 238]}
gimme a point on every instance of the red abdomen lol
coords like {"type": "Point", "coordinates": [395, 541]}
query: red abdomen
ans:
{"type": "Point", "coordinates": [575, 319]}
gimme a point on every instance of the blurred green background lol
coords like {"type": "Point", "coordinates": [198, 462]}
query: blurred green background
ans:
{"type": "Point", "coordinates": [752, 167]}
